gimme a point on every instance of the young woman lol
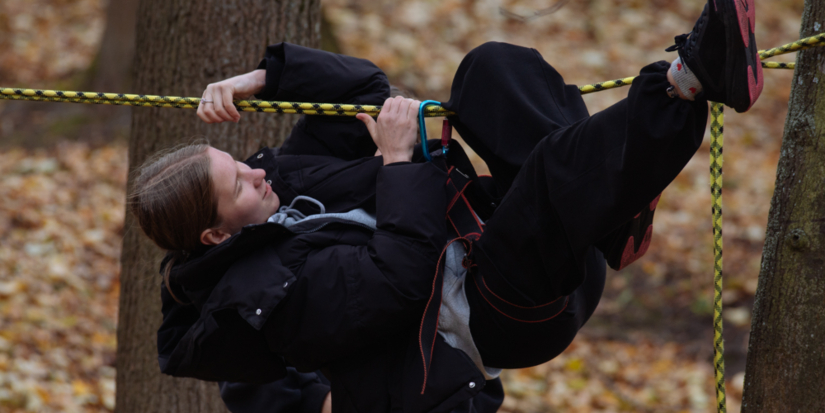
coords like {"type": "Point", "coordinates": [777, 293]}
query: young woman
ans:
{"type": "Point", "coordinates": [328, 261]}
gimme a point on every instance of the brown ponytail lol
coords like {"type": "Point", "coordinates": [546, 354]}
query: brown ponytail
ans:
{"type": "Point", "coordinates": [173, 200]}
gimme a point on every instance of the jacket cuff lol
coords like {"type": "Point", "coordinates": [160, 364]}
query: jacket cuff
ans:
{"type": "Point", "coordinates": [312, 398]}
{"type": "Point", "coordinates": [273, 62]}
{"type": "Point", "coordinates": [410, 197]}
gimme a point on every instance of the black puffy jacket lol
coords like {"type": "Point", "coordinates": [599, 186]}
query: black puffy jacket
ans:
{"type": "Point", "coordinates": [325, 293]}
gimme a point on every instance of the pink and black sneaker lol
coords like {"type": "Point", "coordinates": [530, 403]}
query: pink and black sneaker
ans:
{"type": "Point", "coordinates": [721, 51]}
{"type": "Point", "coordinates": [629, 242]}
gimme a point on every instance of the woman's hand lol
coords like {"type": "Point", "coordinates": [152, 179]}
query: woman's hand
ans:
{"type": "Point", "coordinates": [216, 105]}
{"type": "Point", "coordinates": [396, 131]}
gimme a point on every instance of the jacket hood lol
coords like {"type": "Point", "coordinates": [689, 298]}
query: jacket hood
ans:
{"type": "Point", "coordinates": [195, 277]}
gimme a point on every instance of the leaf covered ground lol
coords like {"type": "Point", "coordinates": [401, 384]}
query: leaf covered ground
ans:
{"type": "Point", "coordinates": [647, 348]}
{"type": "Point", "coordinates": [61, 220]}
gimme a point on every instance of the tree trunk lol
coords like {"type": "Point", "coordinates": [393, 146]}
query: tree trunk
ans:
{"type": "Point", "coordinates": [785, 369]}
{"type": "Point", "coordinates": [181, 47]}
{"type": "Point", "coordinates": [111, 69]}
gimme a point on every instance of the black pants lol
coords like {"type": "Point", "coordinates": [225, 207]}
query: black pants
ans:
{"type": "Point", "coordinates": [569, 179]}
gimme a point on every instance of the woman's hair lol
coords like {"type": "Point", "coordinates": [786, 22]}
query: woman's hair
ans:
{"type": "Point", "coordinates": [400, 91]}
{"type": "Point", "coordinates": [173, 200]}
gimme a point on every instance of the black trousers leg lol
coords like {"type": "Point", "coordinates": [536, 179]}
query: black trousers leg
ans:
{"type": "Point", "coordinates": [581, 178]}
{"type": "Point", "coordinates": [508, 99]}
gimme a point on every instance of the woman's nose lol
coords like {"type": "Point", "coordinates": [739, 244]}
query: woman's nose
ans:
{"type": "Point", "coordinates": [258, 175]}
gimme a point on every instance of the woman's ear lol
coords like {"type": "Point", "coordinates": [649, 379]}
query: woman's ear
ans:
{"type": "Point", "coordinates": [214, 236]}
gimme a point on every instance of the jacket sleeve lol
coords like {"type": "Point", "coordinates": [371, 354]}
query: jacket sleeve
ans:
{"type": "Point", "coordinates": [188, 345]}
{"type": "Point", "coordinates": [295, 393]}
{"type": "Point", "coordinates": [350, 297]}
{"type": "Point", "coordinates": [300, 74]}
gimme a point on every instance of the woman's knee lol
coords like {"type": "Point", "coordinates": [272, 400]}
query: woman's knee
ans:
{"type": "Point", "coordinates": [496, 52]}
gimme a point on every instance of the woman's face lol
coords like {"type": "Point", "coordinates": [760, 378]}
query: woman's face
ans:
{"type": "Point", "coordinates": [244, 197]}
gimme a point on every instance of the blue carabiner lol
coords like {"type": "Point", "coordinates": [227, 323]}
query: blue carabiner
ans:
{"type": "Point", "coordinates": [422, 129]}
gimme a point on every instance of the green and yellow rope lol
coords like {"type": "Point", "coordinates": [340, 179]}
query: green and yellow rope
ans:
{"type": "Point", "coordinates": [805, 43]}
{"type": "Point", "coordinates": [334, 109]}
{"type": "Point", "coordinates": [778, 65]}
{"type": "Point", "coordinates": [717, 119]}
{"type": "Point", "coordinates": [610, 84]}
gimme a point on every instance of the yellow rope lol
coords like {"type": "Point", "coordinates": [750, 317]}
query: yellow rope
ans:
{"type": "Point", "coordinates": [610, 84]}
{"type": "Point", "coordinates": [333, 109]}
{"type": "Point", "coordinates": [778, 65]}
{"type": "Point", "coordinates": [306, 108]}
{"type": "Point", "coordinates": [800, 44]}
{"type": "Point", "coordinates": [717, 119]}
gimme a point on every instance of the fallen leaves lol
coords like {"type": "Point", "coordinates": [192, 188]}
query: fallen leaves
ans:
{"type": "Point", "coordinates": [47, 39]}
{"type": "Point", "coordinates": [61, 221]}
{"type": "Point", "coordinates": [605, 375]}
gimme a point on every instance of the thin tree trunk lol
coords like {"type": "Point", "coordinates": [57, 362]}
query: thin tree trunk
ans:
{"type": "Point", "coordinates": [182, 46]}
{"type": "Point", "coordinates": [785, 369]}
{"type": "Point", "coordinates": [111, 69]}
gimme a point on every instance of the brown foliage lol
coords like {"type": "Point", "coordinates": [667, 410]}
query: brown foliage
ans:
{"type": "Point", "coordinates": [42, 40]}
{"type": "Point", "coordinates": [61, 221]}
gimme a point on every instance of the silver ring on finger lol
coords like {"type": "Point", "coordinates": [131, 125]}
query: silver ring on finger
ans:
{"type": "Point", "coordinates": [207, 101]}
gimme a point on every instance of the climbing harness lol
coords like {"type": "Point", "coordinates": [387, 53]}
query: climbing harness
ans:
{"type": "Point", "coordinates": [430, 108]}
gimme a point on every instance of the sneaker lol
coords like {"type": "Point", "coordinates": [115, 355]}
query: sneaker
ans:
{"type": "Point", "coordinates": [629, 242]}
{"type": "Point", "coordinates": [721, 52]}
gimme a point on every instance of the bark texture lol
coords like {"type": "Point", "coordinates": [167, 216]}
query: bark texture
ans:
{"type": "Point", "coordinates": [181, 47]}
{"type": "Point", "coordinates": [785, 369]}
{"type": "Point", "coordinates": [112, 67]}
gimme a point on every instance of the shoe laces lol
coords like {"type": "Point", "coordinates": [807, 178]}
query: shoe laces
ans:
{"type": "Point", "coordinates": [680, 41]}
{"type": "Point", "coordinates": [686, 42]}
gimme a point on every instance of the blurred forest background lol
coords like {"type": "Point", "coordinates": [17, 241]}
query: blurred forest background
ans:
{"type": "Point", "coordinates": [648, 347]}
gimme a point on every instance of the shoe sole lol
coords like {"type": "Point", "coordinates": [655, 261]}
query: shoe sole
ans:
{"type": "Point", "coordinates": [740, 30]}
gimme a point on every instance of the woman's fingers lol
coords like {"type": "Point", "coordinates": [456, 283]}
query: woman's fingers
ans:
{"type": "Point", "coordinates": [392, 106]}
{"type": "Point", "coordinates": [395, 132]}
{"type": "Point", "coordinates": [412, 116]}
{"type": "Point", "coordinates": [234, 111]}
{"type": "Point", "coordinates": [397, 103]}
{"type": "Point", "coordinates": [369, 122]}
{"type": "Point", "coordinates": [387, 108]}
{"type": "Point", "coordinates": [229, 109]}
{"type": "Point", "coordinates": [412, 110]}
{"type": "Point", "coordinates": [399, 113]}
{"type": "Point", "coordinates": [202, 108]}
{"type": "Point", "coordinates": [216, 104]}
{"type": "Point", "coordinates": [206, 110]}
{"type": "Point", "coordinates": [219, 99]}
{"type": "Point", "coordinates": [403, 104]}
{"type": "Point", "coordinates": [395, 109]}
